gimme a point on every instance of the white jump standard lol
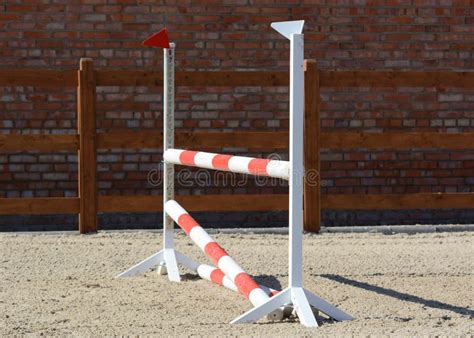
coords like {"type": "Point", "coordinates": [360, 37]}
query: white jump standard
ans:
{"type": "Point", "coordinates": [168, 258]}
{"type": "Point", "coordinates": [228, 273]}
{"type": "Point", "coordinates": [301, 299]}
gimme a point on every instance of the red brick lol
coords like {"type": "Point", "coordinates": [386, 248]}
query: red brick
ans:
{"type": "Point", "coordinates": [213, 35]}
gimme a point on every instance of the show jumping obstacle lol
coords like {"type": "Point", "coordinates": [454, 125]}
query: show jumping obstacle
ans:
{"type": "Point", "coordinates": [228, 273]}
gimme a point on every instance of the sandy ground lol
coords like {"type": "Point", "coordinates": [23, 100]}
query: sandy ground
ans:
{"type": "Point", "coordinates": [63, 284]}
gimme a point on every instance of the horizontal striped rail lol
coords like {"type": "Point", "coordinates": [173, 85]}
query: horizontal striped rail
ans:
{"type": "Point", "coordinates": [236, 164]}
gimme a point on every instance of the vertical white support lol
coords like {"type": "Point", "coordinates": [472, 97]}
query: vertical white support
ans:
{"type": "Point", "coordinates": [167, 259]}
{"type": "Point", "coordinates": [170, 260]}
{"type": "Point", "coordinates": [168, 141]}
{"type": "Point", "coordinates": [301, 299]}
{"type": "Point", "coordinates": [296, 160]}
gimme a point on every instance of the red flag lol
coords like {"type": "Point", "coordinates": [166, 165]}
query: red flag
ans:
{"type": "Point", "coordinates": [159, 39]}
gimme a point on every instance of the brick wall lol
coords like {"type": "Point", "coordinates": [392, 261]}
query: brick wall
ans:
{"type": "Point", "coordinates": [340, 34]}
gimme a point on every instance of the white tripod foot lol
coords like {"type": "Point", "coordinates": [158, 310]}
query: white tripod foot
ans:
{"type": "Point", "coordinates": [144, 265]}
{"type": "Point", "coordinates": [167, 262]}
{"type": "Point", "coordinates": [171, 265]}
{"type": "Point", "coordinates": [329, 309]}
{"type": "Point", "coordinates": [302, 301]}
{"type": "Point", "coordinates": [271, 305]}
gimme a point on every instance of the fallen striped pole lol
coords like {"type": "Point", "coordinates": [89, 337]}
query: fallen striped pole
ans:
{"type": "Point", "coordinates": [236, 164]}
{"type": "Point", "coordinates": [216, 275]}
{"type": "Point", "coordinates": [242, 280]}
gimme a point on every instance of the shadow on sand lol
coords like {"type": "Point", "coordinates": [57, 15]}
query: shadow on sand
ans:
{"type": "Point", "coordinates": [402, 296]}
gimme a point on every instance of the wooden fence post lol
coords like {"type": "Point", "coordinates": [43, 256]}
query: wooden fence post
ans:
{"type": "Point", "coordinates": [86, 162]}
{"type": "Point", "coordinates": [312, 182]}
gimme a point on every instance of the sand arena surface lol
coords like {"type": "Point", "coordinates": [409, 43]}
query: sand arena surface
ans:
{"type": "Point", "coordinates": [63, 284]}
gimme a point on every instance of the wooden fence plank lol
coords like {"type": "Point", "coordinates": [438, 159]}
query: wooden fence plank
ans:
{"type": "Point", "coordinates": [279, 140]}
{"type": "Point", "coordinates": [39, 206]}
{"type": "Point", "coordinates": [279, 202]}
{"type": "Point", "coordinates": [398, 141]}
{"type": "Point", "coordinates": [38, 77]}
{"type": "Point", "coordinates": [253, 140]}
{"type": "Point", "coordinates": [194, 140]}
{"type": "Point", "coordinates": [312, 187]}
{"type": "Point", "coordinates": [17, 142]}
{"type": "Point", "coordinates": [363, 78]}
{"type": "Point", "coordinates": [130, 140]}
{"type": "Point", "coordinates": [43, 77]}
{"type": "Point", "coordinates": [193, 79]}
{"type": "Point", "coordinates": [129, 78]}
{"type": "Point", "coordinates": [397, 202]}
{"type": "Point", "coordinates": [233, 78]}
{"type": "Point", "coordinates": [238, 139]}
{"type": "Point", "coordinates": [274, 202]}
{"type": "Point", "coordinates": [86, 124]}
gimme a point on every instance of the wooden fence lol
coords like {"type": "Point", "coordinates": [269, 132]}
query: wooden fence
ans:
{"type": "Point", "coordinates": [87, 141]}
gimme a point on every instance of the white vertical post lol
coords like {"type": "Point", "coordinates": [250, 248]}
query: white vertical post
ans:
{"type": "Point", "coordinates": [168, 258]}
{"type": "Point", "coordinates": [168, 141]}
{"type": "Point", "coordinates": [296, 160]}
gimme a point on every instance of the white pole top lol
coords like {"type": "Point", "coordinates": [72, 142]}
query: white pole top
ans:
{"type": "Point", "coordinates": [287, 28]}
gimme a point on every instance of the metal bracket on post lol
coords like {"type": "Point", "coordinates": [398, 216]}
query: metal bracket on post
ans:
{"type": "Point", "coordinates": [167, 259]}
{"type": "Point", "coordinates": [294, 294]}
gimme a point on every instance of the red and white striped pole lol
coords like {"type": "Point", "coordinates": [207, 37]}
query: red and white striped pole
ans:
{"type": "Point", "coordinates": [236, 164]}
{"type": "Point", "coordinates": [242, 280]}
{"type": "Point", "coordinates": [216, 275]}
